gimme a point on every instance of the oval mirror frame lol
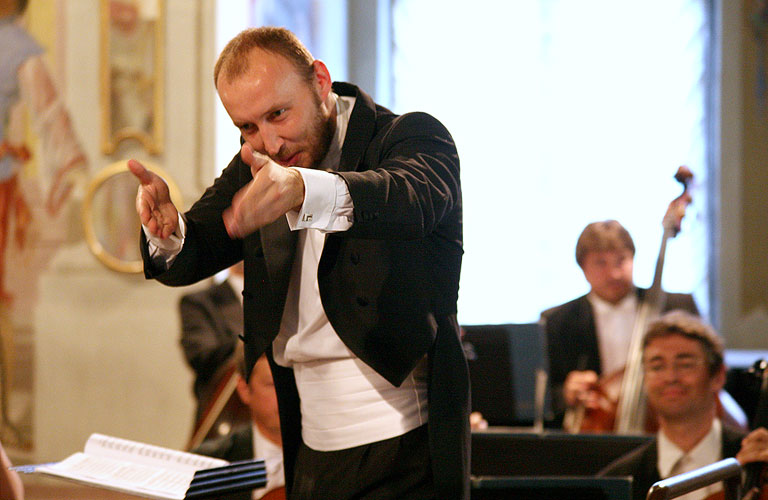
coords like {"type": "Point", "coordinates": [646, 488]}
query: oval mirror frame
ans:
{"type": "Point", "coordinates": [96, 247]}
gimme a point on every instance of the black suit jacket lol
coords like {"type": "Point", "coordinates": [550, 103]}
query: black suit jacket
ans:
{"type": "Point", "coordinates": [572, 339]}
{"type": "Point", "coordinates": [641, 463]}
{"type": "Point", "coordinates": [211, 321]}
{"type": "Point", "coordinates": [389, 285]}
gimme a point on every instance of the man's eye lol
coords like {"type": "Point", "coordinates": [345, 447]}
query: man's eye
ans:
{"type": "Point", "coordinates": [278, 113]}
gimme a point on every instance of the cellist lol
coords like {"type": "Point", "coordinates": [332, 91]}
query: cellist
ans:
{"type": "Point", "coordinates": [682, 359]}
{"type": "Point", "coordinates": [588, 338]}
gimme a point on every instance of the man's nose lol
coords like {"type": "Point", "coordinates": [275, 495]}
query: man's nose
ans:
{"type": "Point", "coordinates": [616, 271]}
{"type": "Point", "coordinates": [271, 141]}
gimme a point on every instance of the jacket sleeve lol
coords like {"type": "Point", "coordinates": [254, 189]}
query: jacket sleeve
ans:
{"type": "Point", "coordinates": [207, 248]}
{"type": "Point", "coordinates": [409, 181]}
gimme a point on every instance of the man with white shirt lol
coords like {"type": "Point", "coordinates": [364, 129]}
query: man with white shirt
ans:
{"type": "Point", "coordinates": [349, 221]}
{"type": "Point", "coordinates": [261, 438]}
{"type": "Point", "coordinates": [589, 337]}
{"type": "Point", "coordinates": [683, 375]}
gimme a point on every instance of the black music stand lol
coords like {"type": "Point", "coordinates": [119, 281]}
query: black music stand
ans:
{"type": "Point", "coordinates": [498, 453]}
{"type": "Point", "coordinates": [549, 488]}
{"type": "Point", "coordinates": [503, 362]}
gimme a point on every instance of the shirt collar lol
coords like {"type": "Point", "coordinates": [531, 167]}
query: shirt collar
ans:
{"type": "Point", "coordinates": [627, 304]}
{"type": "Point", "coordinates": [706, 451]}
{"type": "Point", "coordinates": [344, 107]}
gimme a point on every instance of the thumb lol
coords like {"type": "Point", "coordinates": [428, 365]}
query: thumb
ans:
{"type": "Point", "coordinates": [140, 171]}
{"type": "Point", "coordinates": [253, 159]}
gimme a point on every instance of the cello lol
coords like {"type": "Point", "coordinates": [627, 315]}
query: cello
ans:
{"type": "Point", "coordinates": [631, 408]}
{"type": "Point", "coordinates": [624, 408]}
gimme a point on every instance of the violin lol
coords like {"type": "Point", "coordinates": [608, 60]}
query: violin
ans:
{"type": "Point", "coordinates": [622, 406]}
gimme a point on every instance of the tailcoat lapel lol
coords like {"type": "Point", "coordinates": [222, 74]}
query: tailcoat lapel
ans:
{"type": "Point", "coordinates": [361, 129]}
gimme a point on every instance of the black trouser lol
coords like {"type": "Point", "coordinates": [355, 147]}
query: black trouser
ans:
{"type": "Point", "coordinates": [398, 469]}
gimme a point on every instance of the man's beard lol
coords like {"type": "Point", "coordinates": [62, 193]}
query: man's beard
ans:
{"type": "Point", "coordinates": [322, 135]}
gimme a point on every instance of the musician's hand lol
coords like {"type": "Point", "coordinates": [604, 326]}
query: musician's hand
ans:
{"type": "Point", "coordinates": [273, 192]}
{"type": "Point", "coordinates": [477, 422]}
{"type": "Point", "coordinates": [754, 447]}
{"type": "Point", "coordinates": [579, 388]}
{"type": "Point", "coordinates": [153, 202]}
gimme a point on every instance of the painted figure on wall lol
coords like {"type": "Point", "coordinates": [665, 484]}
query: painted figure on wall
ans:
{"type": "Point", "coordinates": [38, 172]}
{"type": "Point", "coordinates": [28, 93]}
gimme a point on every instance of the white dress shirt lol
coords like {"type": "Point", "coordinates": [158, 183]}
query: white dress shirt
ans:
{"type": "Point", "coordinates": [614, 325]}
{"type": "Point", "coordinates": [672, 460]}
{"type": "Point", "coordinates": [272, 455]}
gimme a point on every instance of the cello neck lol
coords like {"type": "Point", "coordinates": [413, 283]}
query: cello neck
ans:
{"type": "Point", "coordinates": [631, 409]}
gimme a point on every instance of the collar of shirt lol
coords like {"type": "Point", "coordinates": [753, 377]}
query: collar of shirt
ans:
{"type": "Point", "coordinates": [344, 107]}
{"type": "Point", "coordinates": [707, 451]}
{"type": "Point", "coordinates": [626, 305]}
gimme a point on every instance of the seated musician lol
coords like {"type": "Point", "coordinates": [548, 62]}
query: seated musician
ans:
{"type": "Point", "coordinates": [211, 320]}
{"type": "Point", "coordinates": [589, 337]}
{"type": "Point", "coordinates": [262, 438]}
{"type": "Point", "coordinates": [683, 374]}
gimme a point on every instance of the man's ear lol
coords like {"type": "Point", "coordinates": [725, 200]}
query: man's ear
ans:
{"type": "Point", "coordinates": [322, 79]}
{"type": "Point", "coordinates": [243, 391]}
{"type": "Point", "coordinates": [718, 379]}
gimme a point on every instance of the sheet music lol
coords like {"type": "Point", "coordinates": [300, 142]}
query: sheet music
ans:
{"type": "Point", "coordinates": [132, 467]}
{"type": "Point", "coordinates": [124, 449]}
{"type": "Point", "coordinates": [124, 476]}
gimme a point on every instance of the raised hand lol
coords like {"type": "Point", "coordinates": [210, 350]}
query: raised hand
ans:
{"type": "Point", "coordinates": [273, 192]}
{"type": "Point", "coordinates": [754, 447]}
{"type": "Point", "coordinates": [153, 202]}
{"type": "Point", "coordinates": [579, 388]}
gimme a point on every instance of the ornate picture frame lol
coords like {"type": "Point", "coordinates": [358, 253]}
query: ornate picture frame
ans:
{"type": "Point", "coordinates": [109, 218]}
{"type": "Point", "coordinates": [132, 82]}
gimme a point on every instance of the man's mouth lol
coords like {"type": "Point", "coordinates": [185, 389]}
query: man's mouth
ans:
{"type": "Point", "coordinates": [289, 161]}
{"type": "Point", "coordinates": [672, 392]}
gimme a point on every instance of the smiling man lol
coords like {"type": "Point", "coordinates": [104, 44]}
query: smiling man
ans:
{"type": "Point", "coordinates": [683, 375]}
{"type": "Point", "coordinates": [349, 221]}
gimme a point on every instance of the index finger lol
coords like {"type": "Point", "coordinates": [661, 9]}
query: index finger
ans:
{"type": "Point", "coordinates": [140, 171]}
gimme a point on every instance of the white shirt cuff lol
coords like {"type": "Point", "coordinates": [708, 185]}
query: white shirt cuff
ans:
{"type": "Point", "coordinates": [327, 203]}
{"type": "Point", "coordinates": [164, 251]}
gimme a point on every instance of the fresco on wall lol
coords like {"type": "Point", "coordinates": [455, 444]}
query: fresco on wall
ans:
{"type": "Point", "coordinates": [41, 162]}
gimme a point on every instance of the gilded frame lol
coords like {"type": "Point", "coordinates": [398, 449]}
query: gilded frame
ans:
{"type": "Point", "coordinates": [104, 255]}
{"type": "Point", "coordinates": [132, 73]}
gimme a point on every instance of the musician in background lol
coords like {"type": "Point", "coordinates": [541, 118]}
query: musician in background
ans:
{"type": "Point", "coordinates": [211, 320]}
{"type": "Point", "coordinates": [683, 375]}
{"type": "Point", "coordinates": [261, 439]}
{"type": "Point", "coordinates": [589, 337]}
